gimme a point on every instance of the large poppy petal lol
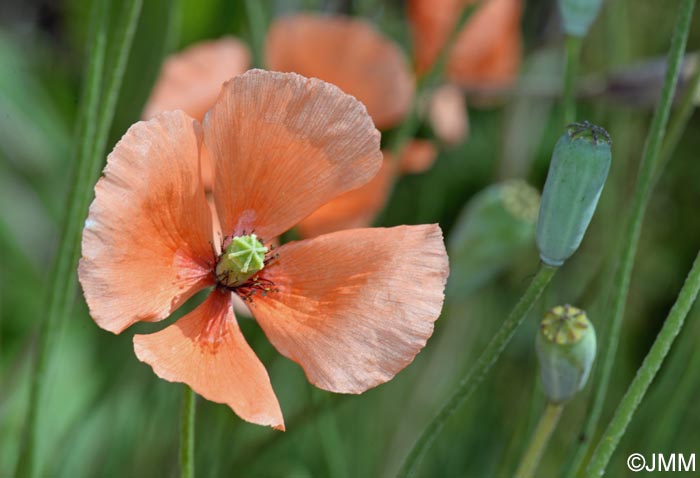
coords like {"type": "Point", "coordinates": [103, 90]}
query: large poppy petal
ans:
{"type": "Point", "coordinates": [353, 308]}
{"type": "Point", "coordinates": [146, 239]}
{"type": "Point", "coordinates": [206, 350]}
{"type": "Point", "coordinates": [356, 208]}
{"type": "Point", "coordinates": [283, 146]}
{"type": "Point", "coordinates": [191, 80]}
{"type": "Point", "coordinates": [349, 53]}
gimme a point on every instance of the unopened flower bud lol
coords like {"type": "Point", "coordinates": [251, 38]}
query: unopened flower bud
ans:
{"type": "Point", "coordinates": [496, 225]}
{"type": "Point", "coordinates": [566, 347]}
{"type": "Point", "coordinates": [578, 15]}
{"type": "Point", "coordinates": [577, 173]}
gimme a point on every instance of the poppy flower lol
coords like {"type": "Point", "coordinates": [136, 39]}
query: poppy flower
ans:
{"type": "Point", "coordinates": [488, 49]}
{"type": "Point", "coordinates": [352, 308]}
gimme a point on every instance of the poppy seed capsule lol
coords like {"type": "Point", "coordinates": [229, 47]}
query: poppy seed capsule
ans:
{"type": "Point", "coordinates": [242, 259]}
{"type": "Point", "coordinates": [578, 15]}
{"type": "Point", "coordinates": [566, 347]}
{"type": "Point", "coordinates": [497, 224]}
{"type": "Point", "coordinates": [577, 173]}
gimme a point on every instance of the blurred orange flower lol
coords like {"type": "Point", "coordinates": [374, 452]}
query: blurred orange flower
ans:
{"type": "Point", "coordinates": [488, 49]}
{"type": "Point", "coordinates": [191, 80]}
{"type": "Point", "coordinates": [353, 308]}
{"type": "Point", "coordinates": [349, 53]}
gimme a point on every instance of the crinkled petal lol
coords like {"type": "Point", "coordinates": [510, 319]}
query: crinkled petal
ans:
{"type": "Point", "coordinates": [353, 308]}
{"type": "Point", "coordinates": [206, 350]}
{"type": "Point", "coordinates": [191, 80]}
{"type": "Point", "coordinates": [349, 53]}
{"type": "Point", "coordinates": [283, 146]}
{"type": "Point", "coordinates": [146, 240]}
{"type": "Point", "coordinates": [356, 208]}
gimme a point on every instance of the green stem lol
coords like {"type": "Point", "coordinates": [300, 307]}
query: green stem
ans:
{"type": "Point", "coordinates": [548, 422]}
{"type": "Point", "coordinates": [187, 433]}
{"type": "Point", "coordinates": [627, 247]}
{"type": "Point", "coordinates": [257, 26]}
{"type": "Point", "coordinates": [63, 267]}
{"type": "Point", "coordinates": [646, 373]}
{"type": "Point", "coordinates": [95, 119]}
{"type": "Point", "coordinates": [685, 364]}
{"type": "Point", "coordinates": [479, 371]}
{"type": "Point", "coordinates": [680, 120]}
{"type": "Point", "coordinates": [571, 62]}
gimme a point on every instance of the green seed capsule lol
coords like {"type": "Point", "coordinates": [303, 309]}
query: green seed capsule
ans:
{"type": "Point", "coordinates": [578, 15]}
{"type": "Point", "coordinates": [577, 173]}
{"type": "Point", "coordinates": [566, 347]}
{"type": "Point", "coordinates": [496, 225]}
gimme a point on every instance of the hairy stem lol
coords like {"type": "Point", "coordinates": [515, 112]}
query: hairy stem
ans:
{"type": "Point", "coordinates": [538, 443]}
{"type": "Point", "coordinates": [627, 247]}
{"type": "Point", "coordinates": [479, 371]}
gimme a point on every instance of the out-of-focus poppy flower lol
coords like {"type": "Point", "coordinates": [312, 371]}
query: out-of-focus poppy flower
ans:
{"type": "Point", "coordinates": [191, 80]}
{"type": "Point", "coordinates": [352, 308]}
{"type": "Point", "coordinates": [487, 52]}
{"type": "Point", "coordinates": [349, 53]}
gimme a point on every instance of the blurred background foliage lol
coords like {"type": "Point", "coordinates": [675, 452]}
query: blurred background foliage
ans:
{"type": "Point", "coordinates": [108, 415]}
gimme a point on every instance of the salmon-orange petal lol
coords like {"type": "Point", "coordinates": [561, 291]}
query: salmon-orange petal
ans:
{"type": "Point", "coordinates": [417, 156]}
{"type": "Point", "coordinates": [353, 308]}
{"type": "Point", "coordinates": [145, 246]}
{"type": "Point", "coordinates": [447, 113]}
{"type": "Point", "coordinates": [349, 53]}
{"type": "Point", "coordinates": [488, 50]}
{"type": "Point", "coordinates": [283, 146]}
{"type": "Point", "coordinates": [356, 208]}
{"type": "Point", "coordinates": [206, 350]}
{"type": "Point", "coordinates": [191, 80]}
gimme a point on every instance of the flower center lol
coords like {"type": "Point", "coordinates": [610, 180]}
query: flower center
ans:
{"type": "Point", "coordinates": [564, 325]}
{"type": "Point", "coordinates": [241, 260]}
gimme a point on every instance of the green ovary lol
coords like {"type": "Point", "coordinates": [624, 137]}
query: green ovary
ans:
{"type": "Point", "coordinates": [241, 260]}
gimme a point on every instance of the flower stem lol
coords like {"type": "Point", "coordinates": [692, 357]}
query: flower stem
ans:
{"type": "Point", "coordinates": [538, 443]}
{"type": "Point", "coordinates": [85, 137]}
{"type": "Point", "coordinates": [572, 58]}
{"type": "Point", "coordinates": [680, 375]}
{"type": "Point", "coordinates": [187, 433]}
{"type": "Point", "coordinates": [479, 371]}
{"type": "Point", "coordinates": [257, 28]}
{"type": "Point", "coordinates": [680, 120]}
{"type": "Point", "coordinates": [646, 373]}
{"type": "Point", "coordinates": [94, 121]}
{"type": "Point", "coordinates": [627, 247]}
